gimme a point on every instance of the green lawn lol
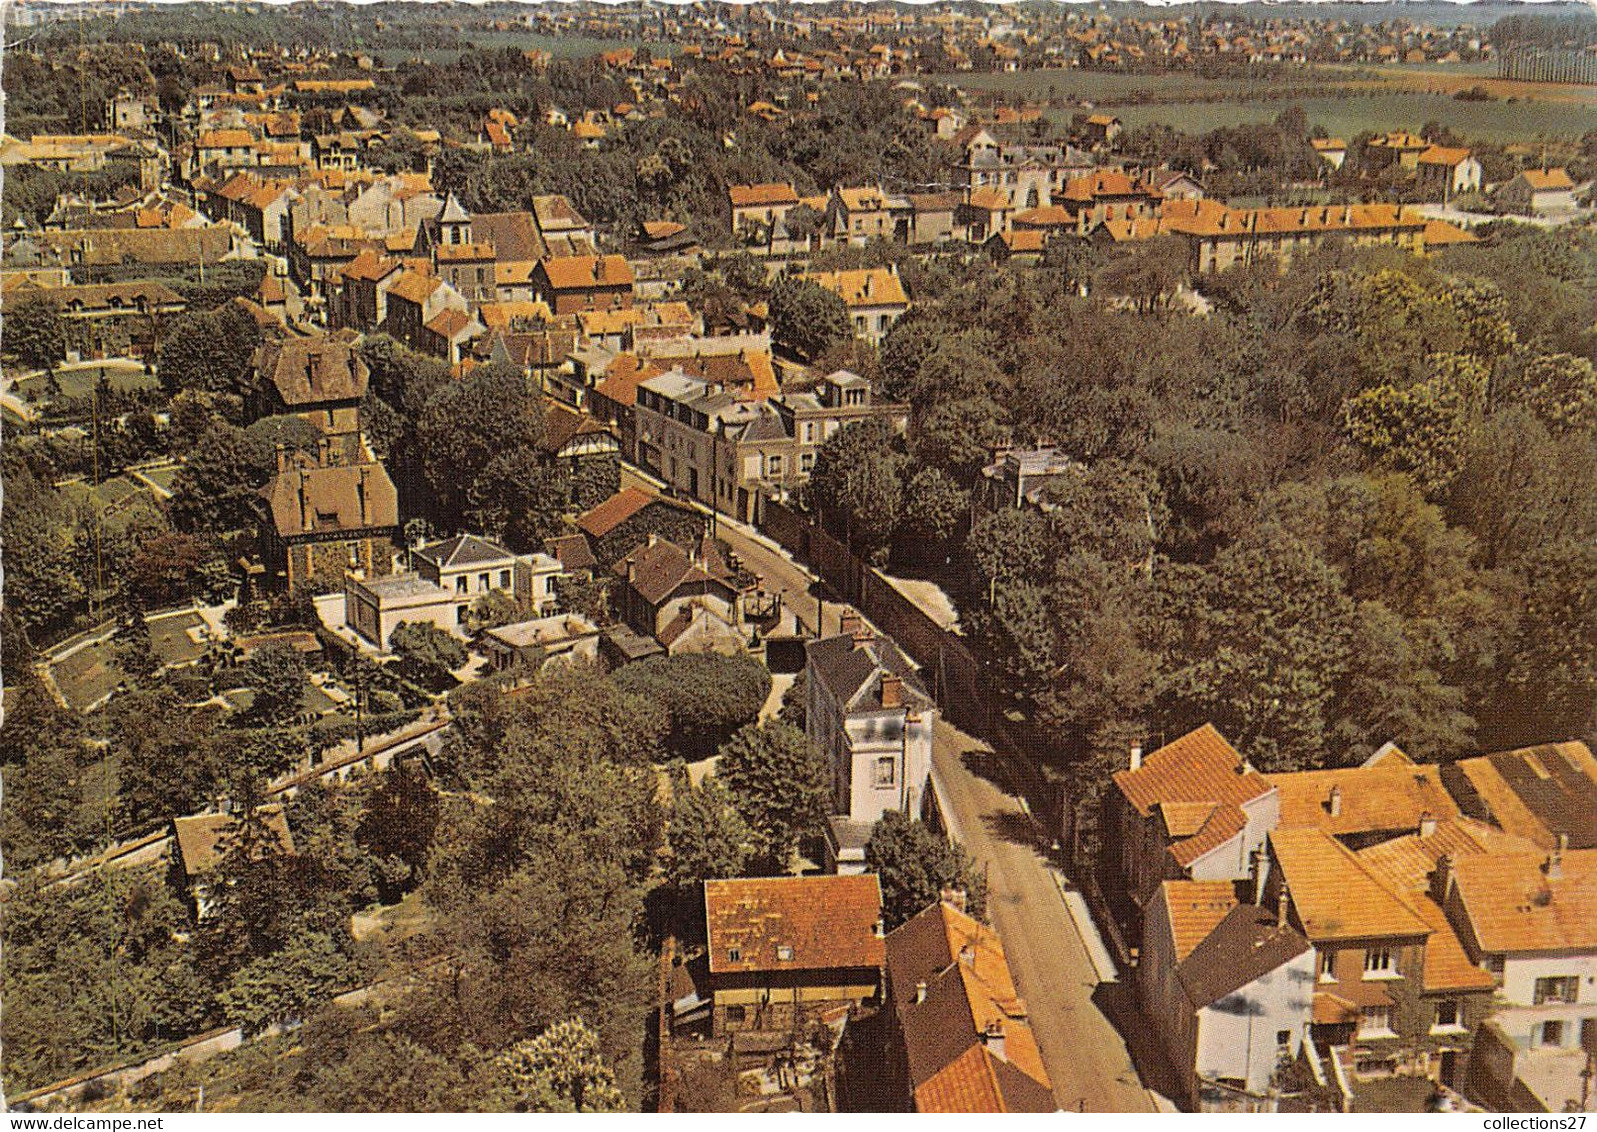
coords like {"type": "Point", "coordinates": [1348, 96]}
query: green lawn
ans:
{"type": "Point", "coordinates": [81, 382]}
{"type": "Point", "coordinates": [88, 675]}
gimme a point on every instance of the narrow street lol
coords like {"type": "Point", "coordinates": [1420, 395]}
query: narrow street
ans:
{"type": "Point", "coordinates": [1086, 1057]}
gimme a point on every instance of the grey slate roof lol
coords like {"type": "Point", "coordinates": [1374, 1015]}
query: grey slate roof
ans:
{"type": "Point", "coordinates": [853, 669]}
{"type": "Point", "coordinates": [463, 550]}
{"type": "Point", "coordinates": [1247, 945]}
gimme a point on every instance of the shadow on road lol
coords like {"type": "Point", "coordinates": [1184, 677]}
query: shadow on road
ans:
{"type": "Point", "coordinates": [1118, 1003]}
{"type": "Point", "coordinates": [1015, 828]}
{"type": "Point", "coordinates": [984, 764]}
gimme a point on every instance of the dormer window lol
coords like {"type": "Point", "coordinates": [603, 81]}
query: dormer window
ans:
{"type": "Point", "coordinates": [734, 955]}
{"type": "Point", "coordinates": [784, 952]}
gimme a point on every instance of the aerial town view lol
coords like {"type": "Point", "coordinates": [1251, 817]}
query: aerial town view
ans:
{"type": "Point", "coordinates": [798, 558]}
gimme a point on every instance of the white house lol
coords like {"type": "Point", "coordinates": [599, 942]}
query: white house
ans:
{"type": "Point", "coordinates": [868, 711]}
{"type": "Point", "coordinates": [1230, 989]}
{"type": "Point", "coordinates": [448, 579]}
{"type": "Point", "coordinates": [1531, 920]}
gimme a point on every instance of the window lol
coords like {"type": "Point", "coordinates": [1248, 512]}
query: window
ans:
{"type": "Point", "coordinates": [806, 461]}
{"type": "Point", "coordinates": [886, 771]}
{"type": "Point", "coordinates": [1378, 963]}
{"type": "Point", "coordinates": [1552, 1034]}
{"type": "Point", "coordinates": [1558, 989]}
{"type": "Point", "coordinates": [736, 1015]}
{"type": "Point", "coordinates": [1375, 1022]}
{"type": "Point", "coordinates": [504, 579]}
{"type": "Point", "coordinates": [734, 955]}
{"type": "Point", "coordinates": [482, 583]}
{"type": "Point", "coordinates": [460, 584]}
{"type": "Point", "coordinates": [1283, 1038]}
{"type": "Point", "coordinates": [1327, 966]}
{"type": "Point", "coordinates": [776, 465]}
{"type": "Point", "coordinates": [784, 952]}
{"type": "Point", "coordinates": [1447, 1016]}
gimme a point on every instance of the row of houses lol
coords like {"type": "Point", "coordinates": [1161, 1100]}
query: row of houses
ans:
{"type": "Point", "coordinates": [1392, 919]}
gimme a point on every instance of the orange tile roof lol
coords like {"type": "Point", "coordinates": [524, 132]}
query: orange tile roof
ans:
{"type": "Point", "coordinates": [415, 287]}
{"type": "Point", "coordinates": [818, 922]}
{"type": "Point", "coordinates": [1563, 774]}
{"type": "Point", "coordinates": [1439, 233]}
{"type": "Point", "coordinates": [1514, 904]}
{"type": "Point", "coordinates": [1195, 909]}
{"type": "Point", "coordinates": [448, 253]}
{"type": "Point", "coordinates": [1049, 216]}
{"type": "Point", "coordinates": [1334, 895]}
{"type": "Point", "coordinates": [970, 992]}
{"type": "Point", "coordinates": [749, 196]}
{"type": "Point", "coordinates": [868, 287]}
{"type": "Point", "coordinates": [1222, 824]}
{"type": "Point", "coordinates": [1547, 180]}
{"type": "Point", "coordinates": [1388, 796]}
{"type": "Point", "coordinates": [1405, 864]}
{"type": "Point", "coordinates": [989, 200]}
{"type": "Point", "coordinates": [579, 272]}
{"type": "Point", "coordinates": [224, 139]}
{"type": "Point", "coordinates": [622, 379]}
{"type": "Point", "coordinates": [607, 516]}
{"type": "Point", "coordinates": [1444, 155]}
{"type": "Point", "coordinates": [1198, 767]}
{"type": "Point", "coordinates": [497, 316]}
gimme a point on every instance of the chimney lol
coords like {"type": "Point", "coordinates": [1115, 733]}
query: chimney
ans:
{"type": "Point", "coordinates": [967, 955]}
{"type": "Point", "coordinates": [892, 691]}
{"type": "Point", "coordinates": [1333, 804]}
{"type": "Point", "coordinates": [1427, 824]}
{"type": "Point", "coordinates": [956, 897]}
{"type": "Point", "coordinates": [993, 1039]}
{"type": "Point", "coordinates": [920, 992]}
{"type": "Point", "coordinates": [323, 448]}
{"type": "Point", "coordinates": [654, 539]}
{"type": "Point", "coordinates": [1555, 860]}
{"type": "Point", "coordinates": [598, 269]}
{"type": "Point", "coordinates": [282, 457]}
{"type": "Point", "coordinates": [304, 505]}
{"type": "Point", "coordinates": [364, 496]}
{"type": "Point", "coordinates": [1136, 756]}
{"type": "Point", "coordinates": [1258, 873]}
{"type": "Point", "coordinates": [1442, 878]}
{"type": "Point", "coordinates": [851, 623]}
{"type": "Point", "coordinates": [632, 570]}
{"type": "Point", "coordinates": [1283, 903]}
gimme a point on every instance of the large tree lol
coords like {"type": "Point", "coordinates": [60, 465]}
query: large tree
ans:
{"type": "Point", "coordinates": [781, 785]}
{"type": "Point", "coordinates": [915, 866]}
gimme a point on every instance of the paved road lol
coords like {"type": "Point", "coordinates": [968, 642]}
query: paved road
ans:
{"type": "Point", "coordinates": [1085, 1055]}
{"type": "Point", "coordinates": [1083, 1052]}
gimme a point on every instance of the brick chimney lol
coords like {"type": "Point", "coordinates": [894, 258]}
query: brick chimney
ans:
{"type": "Point", "coordinates": [1333, 803]}
{"type": "Point", "coordinates": [1442, 878]}
{"type": "Point", "coordinates": [993, 1038]}
{"type": "Point", "coordinates": [892, 691]}
{"type": "Point", "coordinates": [1554, 868]}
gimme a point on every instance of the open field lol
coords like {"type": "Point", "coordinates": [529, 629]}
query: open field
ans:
{"type": "Point", "coordinates": [559, 46]}
{"type": "Point", "coordinates": [1345, 100]}
{"type": "Point", "coordinates": [1344, 117]}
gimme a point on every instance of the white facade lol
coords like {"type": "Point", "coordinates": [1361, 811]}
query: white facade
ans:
{"type": "Point", "coordinates": [1244, 1036]}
